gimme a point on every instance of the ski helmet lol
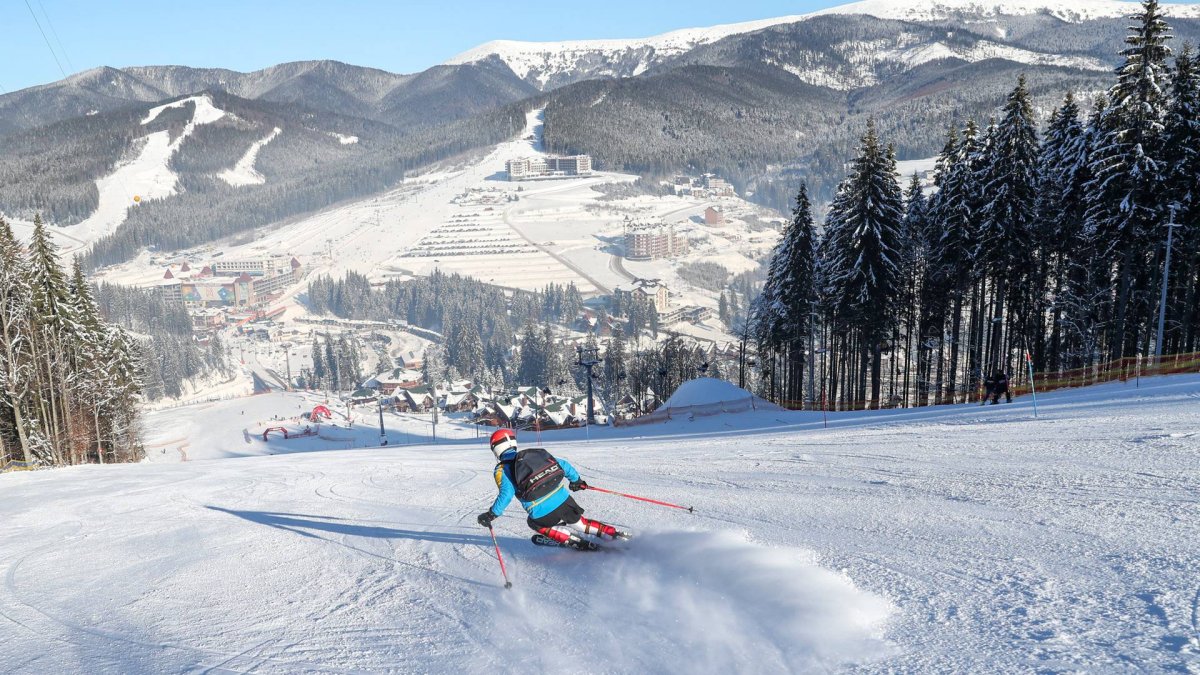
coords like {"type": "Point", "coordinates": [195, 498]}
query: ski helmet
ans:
{"type": "Point", "coordinates": [502, 441]}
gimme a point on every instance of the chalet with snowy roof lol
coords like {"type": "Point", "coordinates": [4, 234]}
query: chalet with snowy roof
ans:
{"type": "Point", "coordinates": [364, 395]}
{"type": "Point", "coordinates": [421, 399]}
{"type": "Point", "coordinates": [556, 416]}
{"type": "Point", "coordinates": [397, 378]}
{"type": "Point", "coordinates": [465, 401]}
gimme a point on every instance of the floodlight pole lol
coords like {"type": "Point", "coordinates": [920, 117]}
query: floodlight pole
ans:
{"type": "Point", "coordinates": [383, 439]}
{"type": "Point", "coordinates": [1162, 301]}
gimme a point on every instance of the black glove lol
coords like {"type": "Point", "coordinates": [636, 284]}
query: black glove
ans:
{"type": "Point", "coordinates": [485, 519]}
{"type": "Point", "coordinates": [577, 485]}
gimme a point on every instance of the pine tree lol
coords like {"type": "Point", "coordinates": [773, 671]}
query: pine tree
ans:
{"type": "Point", "coordinates": [17, 364]}
{"type": "Point", "coordinates": [1061, 204]}
{"type": "Point", "coordinates": [865, 248]}
{"type": "Point", "coordinates": [790, 295]}
{"type": "Point", "coordinates": [332, 365]}
{"type": "Point", "coordinates": [1006, 242]}
{"type": "Point", "coordinates": [915, 247]}
{"type": "Point", "coordinates": [615, 369]}
{"type": "Point", "coordinates": [1126, 207]}
{"type": "Point", "coordinates": [319, 371]}
{"type": "Point", "coordinates": [531, 371]}
{"type": "Point", "coordinates": [1182, 156]}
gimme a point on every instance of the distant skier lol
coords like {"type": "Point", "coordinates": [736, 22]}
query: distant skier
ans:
{"type": "Point", "coordinates": [534, 477]}
{"type": "Point", "coordinates": [1000, 386]}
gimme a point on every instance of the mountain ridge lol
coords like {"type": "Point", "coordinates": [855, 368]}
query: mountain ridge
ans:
{"type": "Point", "coordinates": [548, 65]}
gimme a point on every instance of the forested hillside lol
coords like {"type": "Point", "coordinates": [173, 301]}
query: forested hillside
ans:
{"type": "Point", "coordinates": [1039, 250]}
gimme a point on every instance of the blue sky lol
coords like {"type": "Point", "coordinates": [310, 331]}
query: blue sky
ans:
{"type": "Point", "coordinates": [402, 36]}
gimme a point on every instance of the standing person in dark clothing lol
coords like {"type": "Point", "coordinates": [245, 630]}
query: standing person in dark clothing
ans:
{"type": "Point", "coordinates": [989, 383]}
{"type": "Point", "coordinates": [1000, 386]}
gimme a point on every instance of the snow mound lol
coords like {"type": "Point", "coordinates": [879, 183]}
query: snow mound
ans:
{"type": "Point", "coordinates": [704, 396]}
{"type": "Point", "coordinates": [692, 602]}
{"type": "Point", "coordinates": [707, 390]}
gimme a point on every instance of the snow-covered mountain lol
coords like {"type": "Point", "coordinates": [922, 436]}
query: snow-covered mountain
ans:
{"type": "Point", "coordinates": [548, 65]}
{"type": "Point", "coordinates": [760, 102]}
{"type": "Point", "coordinates": [1071, 11]}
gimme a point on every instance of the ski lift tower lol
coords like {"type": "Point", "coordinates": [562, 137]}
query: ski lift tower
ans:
{"type": "Point", "coordinates": [588, 357]}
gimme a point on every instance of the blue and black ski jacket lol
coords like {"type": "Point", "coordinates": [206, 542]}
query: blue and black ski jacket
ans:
{"type": "Point", "coordinates": [508, 490]}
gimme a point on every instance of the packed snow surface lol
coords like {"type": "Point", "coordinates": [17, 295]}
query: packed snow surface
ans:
{"type": "Point", "coordinates": [146, 176]}
{"type": "Point", "coordinates": [244, 173]}
{"type": "Point", "coordinates": [949, 539]}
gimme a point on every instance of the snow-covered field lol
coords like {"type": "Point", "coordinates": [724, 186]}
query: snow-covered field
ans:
{"type": "Point", "coordinates": [955, 539]}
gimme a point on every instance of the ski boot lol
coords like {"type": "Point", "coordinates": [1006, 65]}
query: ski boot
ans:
{"type": "Point", "coordinates": [581, 544]}
{"type": "Point", "coordinates": [598, 529]}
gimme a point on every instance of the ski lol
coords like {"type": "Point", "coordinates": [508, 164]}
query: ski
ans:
{"type": "Point", "coordinates": [542, 540]}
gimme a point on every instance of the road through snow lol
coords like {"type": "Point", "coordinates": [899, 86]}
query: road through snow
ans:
{"type": "Point", "coordinates": [960, 539]}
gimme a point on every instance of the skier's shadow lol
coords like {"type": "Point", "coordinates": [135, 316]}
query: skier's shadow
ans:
{"type": "Point", "coordinates": [307, 525]}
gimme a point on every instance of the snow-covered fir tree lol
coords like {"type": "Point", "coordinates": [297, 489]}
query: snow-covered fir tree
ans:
{"type": "Point", "coordinates": [69, 382]}
{"type": "Point", "coordinates": [1126, 207]}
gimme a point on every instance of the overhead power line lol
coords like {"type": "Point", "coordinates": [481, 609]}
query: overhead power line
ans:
{"type": "Point", "coordinates": [48, 45]}
{"type": "Point", "coordinates": [58, 41]}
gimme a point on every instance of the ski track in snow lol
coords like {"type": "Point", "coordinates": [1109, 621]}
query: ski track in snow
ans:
{"type": "Point", "coordinates": [147, 176]}
{"type": "Point", "coordinates": [950, 539]}
{"type": "Point", "coordinates": [244, 173]}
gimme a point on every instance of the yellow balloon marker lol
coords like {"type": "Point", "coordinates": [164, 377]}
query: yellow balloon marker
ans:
{"type": "Point", "coordinates": [137, 198]}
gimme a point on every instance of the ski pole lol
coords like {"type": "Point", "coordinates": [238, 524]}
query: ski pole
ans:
{"type": "Point", "coordinates": [689, 509]}
{"type": "Point", "coordinates": [507, 583]}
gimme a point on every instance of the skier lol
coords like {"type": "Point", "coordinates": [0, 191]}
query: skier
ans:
{"type": "Point", "coordinates": [534, 477]}
{"type": "Point", "coordinates": [989, 383]}
{"type": "Point", "coordinates": [1000, 386]}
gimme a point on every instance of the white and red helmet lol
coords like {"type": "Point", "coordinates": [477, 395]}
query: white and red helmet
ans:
{"type": "Point", "coordinates": [503, 440]}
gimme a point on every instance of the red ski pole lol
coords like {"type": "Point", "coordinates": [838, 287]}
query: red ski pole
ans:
{"type": "Point", "coordinates": [507, 583]}
{"type": "Point", "coordinates": [689, 509]}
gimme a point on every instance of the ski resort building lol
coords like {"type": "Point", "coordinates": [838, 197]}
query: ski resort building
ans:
{"type": "Point", "coordinates": [532, 168]}
{"type": "Point", "coordinates": [652, 241]}
{"type": "Point", "coordinates": [651, 289]}
{"type": "Point", "coordinates": [256, 268]}
{"type": "Point", "coordinates": [256, 282]}
{"type": "Point", "coordinates": [705, 186]}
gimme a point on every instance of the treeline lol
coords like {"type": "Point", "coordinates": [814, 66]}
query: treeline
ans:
{"type": "Point", "coordinates": [69, 381]}
{"type": "Point", "coordinates": [1055, 248]}
{"type": "Point", "coordinates": [499, 341]}
{"type": "Point", "coordinates": [478, 321]}
{"type": "Point", "coordinates": [169, 355]}
{"type": "Point", "coordinates": [336, 364]}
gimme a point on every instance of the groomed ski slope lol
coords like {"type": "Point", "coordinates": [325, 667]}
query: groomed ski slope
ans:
{"type": "Point", "coordinates": [960, 539]}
